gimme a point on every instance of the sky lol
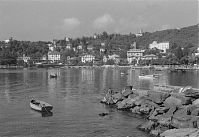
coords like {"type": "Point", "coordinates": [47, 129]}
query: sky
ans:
{"type": "Point", "coordinates": [55, 19]}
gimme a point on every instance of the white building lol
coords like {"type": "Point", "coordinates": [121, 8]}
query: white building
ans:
{"type": "Point", "coordinates": [149, 57]}
{"type": "Point", "coordinates": [134, 54]}
{"type": "Point", "coordinates": [161, 46]}
{"type": "Point", "coordinates": [87, 58]}
{"type": "Point", "coordinates": [140, 34]}
{"type": "Point", "coordinates": [197, 53]}
{"type": "Point", "coordinates": [54, 56]}
{"type": "Point", "coordinates": [24, 58]}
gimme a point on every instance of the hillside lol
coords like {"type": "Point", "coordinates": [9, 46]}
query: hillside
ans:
{"type": "Point", "coordinates": [187, 36]}
{"type": "Point", "coordinates": [182, 37]}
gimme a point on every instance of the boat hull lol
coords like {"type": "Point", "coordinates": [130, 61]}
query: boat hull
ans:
{"type": "Point", "coordinates": [41, 106]}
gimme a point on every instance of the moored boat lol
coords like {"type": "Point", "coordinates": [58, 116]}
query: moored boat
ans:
{"type": "Point", "coordinates": [40, 106]}
{"type": "Point", "coordinates": [53, 76]}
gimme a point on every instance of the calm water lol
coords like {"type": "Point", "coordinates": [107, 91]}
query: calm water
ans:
{"type": "Point", "coordinates": [75, 95]}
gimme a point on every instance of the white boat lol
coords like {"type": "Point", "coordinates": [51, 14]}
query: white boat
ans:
{"type": "Point", "coordinates": [146, 77]}
{"type": "Point", "coordinates": [53, 76]}
{"type": "Point", "coordinates": [40, 106]}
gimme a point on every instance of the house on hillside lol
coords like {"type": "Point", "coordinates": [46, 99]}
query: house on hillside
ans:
{"type": "Point", "coordinates": [87, 58]}
{"type": "Point", "coordinates": [134, 54]}
{"type": "Point", "coordinates": [79, 47]}
{"type": "Point", "coordinates": [163, 46]}
{"type": "Point", "coordinates": [140, 34]}
{"type": "Point", "coordinates": [24, 58]}
{"type": "Point", "coordinates": [69, 46]}
{"type": "Point", "coordinates": [90, 47]}
{"type": "Point", "coordinates": [54, 56]}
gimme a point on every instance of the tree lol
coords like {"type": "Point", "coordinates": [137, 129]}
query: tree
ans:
{"type": "Point", "coordinates": [178, 53]}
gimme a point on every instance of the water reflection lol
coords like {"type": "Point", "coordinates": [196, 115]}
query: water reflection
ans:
{"type": "Point", "coordinates": [41, 114]}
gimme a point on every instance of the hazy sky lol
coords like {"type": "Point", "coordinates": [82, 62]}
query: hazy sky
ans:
{"type": "Point", "coordinates": [48, 19]}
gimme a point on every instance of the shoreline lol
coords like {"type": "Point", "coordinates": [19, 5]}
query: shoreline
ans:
{"type": "Point", "coordinates": [167, 112]}
{"type": "Point", "coordinates": [156, 67]}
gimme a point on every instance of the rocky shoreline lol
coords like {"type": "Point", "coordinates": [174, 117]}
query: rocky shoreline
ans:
{"type": "Point", "coordinates": [173, 113]}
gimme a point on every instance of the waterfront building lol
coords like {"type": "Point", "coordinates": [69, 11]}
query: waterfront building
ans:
{"type": "Point", "coordinates": [87, 58]}
{"type": "Point", "coordinates": [90, 47]}
{"type": "Point", "coordinates": [197, 53]}
{"type": "Point", "coordinates": [149, 57]}
{"type": "Point", "coordinates": [114, 57]}
{"type": "Point", "coordinates": [54, 56]}
{"type": "Point", "coordinates": [163, 46]}
{"type": "Point", "coordinates": [24, 58]}
{"type": "Point", "coordinates": [134, 54]}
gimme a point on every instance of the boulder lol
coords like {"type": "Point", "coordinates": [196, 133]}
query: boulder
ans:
{"type": "Point", "coordinates": [145, 109]}
{"type": "Point", "coordinates": [196, 102]}
{"type": "Point", "coordinates": [135, 110]}
{"type": "Point", "coordinates": [183, 132]}
{"type": "Point", "coordinates": [126, 103]}
{"type": "Point", "coordinates": [172, 101]}
{"type": "Point", "coordinates": [147, 126]}
{"type": "Point", "coordinates": [185, 100]}
{"type": "Point", "coordinates": [191, 93]}
{"type": "Point", "coordinates": [181, 119]}
{"type": "Point", "coordinates": [158, 97]}
{"type": "Point", "coordinates": [126, 92]}
{"type": "Point", "coordinates": [117, 97]}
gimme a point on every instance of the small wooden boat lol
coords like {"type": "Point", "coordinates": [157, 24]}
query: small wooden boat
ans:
{"type": "Point", "coordinates": [53, 76]}
{"type": "Point", "coordinates": [40, 106]}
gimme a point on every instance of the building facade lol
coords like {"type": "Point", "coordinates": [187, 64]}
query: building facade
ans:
{"type": "Point", "coordinates": [163, 46]}
{"type": "Point", "coordinates": [134, 54]}
{"type": "Point", "coordinates": [54, 56]}
{"type": "Point", "coordinates": [87, 58]}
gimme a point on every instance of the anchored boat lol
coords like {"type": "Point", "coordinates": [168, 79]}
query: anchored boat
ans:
{"type": "Point", "coordinates": [40, 106]}
{"type": "Point", "coordinates": [53, 76]}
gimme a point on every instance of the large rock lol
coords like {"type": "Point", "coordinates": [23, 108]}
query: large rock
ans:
{"type": "Point", "coordinates": [172, 101]}
{"type": "Point", "coordinates": [183, 132]}
{"type": "Point", "coordinates": [185, 100]}
{"type": "Point", "coordinates": [164, 119]}
{"type": "Point", "coordinates": [117, 97]}
{"type": "Point", "coordinates": [181, 119]}
{"type": "Point", "coordinates": [126, 103]}
{"type": "Point", "coordinates": [196, 102]}
{"type": "Point", "coordinates": [158, 97]}
{"type": "Point", "coordinates": [108, 99]}
{"type": "Point", "coordinates": [191, 93]}
{"type": "Point", "coordinates": [147, 126]}
{"type": "Point", "coordinates": [126, 92]}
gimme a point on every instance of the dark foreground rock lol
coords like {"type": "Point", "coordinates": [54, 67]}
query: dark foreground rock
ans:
{"type": "Point", "coordinates": [170, 114]}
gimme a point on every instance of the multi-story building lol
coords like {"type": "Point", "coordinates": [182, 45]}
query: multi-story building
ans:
{"type": "Point", "coordinates": [87, 58]}
{"type": "Point", "coordinates": [163, 46]}
{"type": "Point", "coordinates": [149, 57]}
{"type": "Point", "coordinates": [134, 54]}
{"type": "Point", "coordinates": [54, 56]}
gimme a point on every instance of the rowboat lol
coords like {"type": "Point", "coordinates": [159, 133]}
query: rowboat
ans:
{"type": "Point", "coordinates": [40, 106]}
{"type": "Point", "coordinates": [53, 76]}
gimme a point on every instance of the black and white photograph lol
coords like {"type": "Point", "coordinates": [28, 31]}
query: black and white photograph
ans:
{"type": "Point", "coordinates": [99, 68]}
